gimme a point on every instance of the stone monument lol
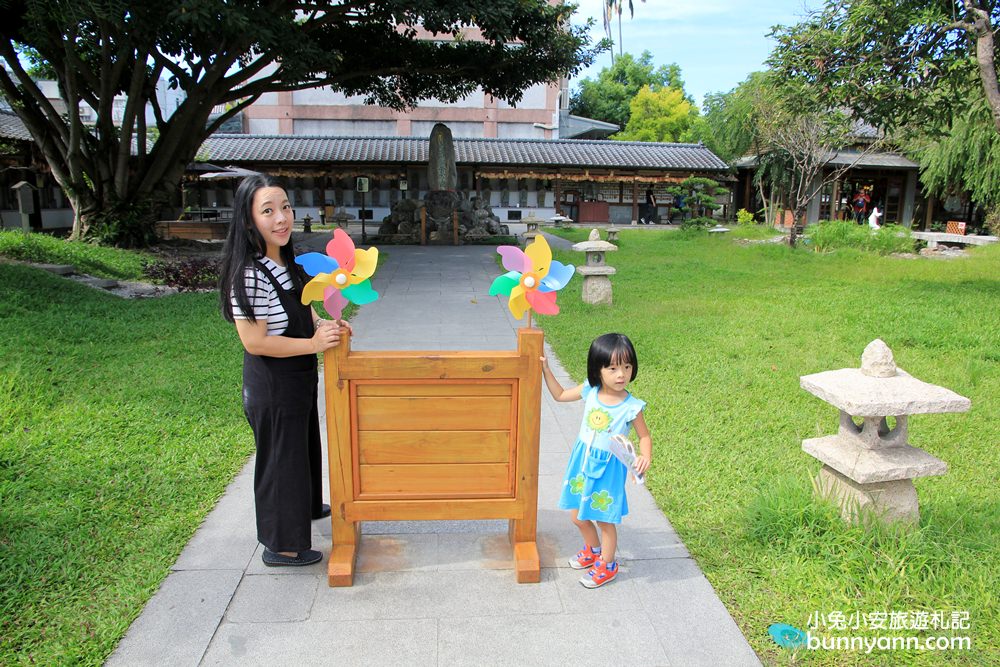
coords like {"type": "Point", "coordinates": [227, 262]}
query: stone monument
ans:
{"type": "Point", "coordinates": [596, 274]}
{"type": "Point", "coordinates": [869, 468]}
{"type": "Point", "coordinates": [442, 205]}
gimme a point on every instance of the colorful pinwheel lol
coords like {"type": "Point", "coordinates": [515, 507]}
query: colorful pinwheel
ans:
{"type": "Point", "coordinates": [533, 278]}
{"type": "Point", "coordinates": [341, 276]}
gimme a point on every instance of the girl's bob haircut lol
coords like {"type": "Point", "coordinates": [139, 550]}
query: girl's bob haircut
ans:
{"type": "Point", "coordinates": [606, 350]}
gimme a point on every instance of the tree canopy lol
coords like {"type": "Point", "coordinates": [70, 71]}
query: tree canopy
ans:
{"type": "Point", "coordinates": [897, 62]}
{"type": "Point", "coordinates": [608, 97]}
{"type": "Point", "coordinates": [659, 115]}
{"type": "Point", "coordinates": [926, 71]}
{"type": "Point", "coordinates": [226, 55]}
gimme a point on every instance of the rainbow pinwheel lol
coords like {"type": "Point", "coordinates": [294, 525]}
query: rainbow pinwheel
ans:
{"type": "Point", "coordinates": [532, 278]}
{"type": "Point", "coordinates": [341, 275]}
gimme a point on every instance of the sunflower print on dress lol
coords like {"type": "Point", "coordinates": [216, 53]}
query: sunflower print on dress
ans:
{"type": "Point", "coordinates": [599, 419]}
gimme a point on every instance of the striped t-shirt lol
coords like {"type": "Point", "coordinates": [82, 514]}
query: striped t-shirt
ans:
{"type": "Point", "coordinates": [264, 298]}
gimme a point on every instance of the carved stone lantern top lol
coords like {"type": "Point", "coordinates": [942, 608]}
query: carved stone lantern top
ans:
{"type": "Point", "coordinates": [880, 389]}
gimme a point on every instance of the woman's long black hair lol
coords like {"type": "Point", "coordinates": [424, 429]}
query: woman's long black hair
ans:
{"type": "Point", "coordinates": [244, 244]}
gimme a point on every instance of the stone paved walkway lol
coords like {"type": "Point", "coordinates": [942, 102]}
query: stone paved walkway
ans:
{"type": "Point", "coordinates": [441, 592]}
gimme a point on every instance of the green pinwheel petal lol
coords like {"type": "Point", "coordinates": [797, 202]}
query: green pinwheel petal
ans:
{"type": "Point", "coordinates": [505, 283]}
{"type": "Point", "coordinates": [361, 293]}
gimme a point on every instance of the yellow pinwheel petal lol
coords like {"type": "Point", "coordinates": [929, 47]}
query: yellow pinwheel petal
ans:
{"type": "Point", "coordinates": [540, 255]}
{"type": "Point", "coordinates": [518, 303]}
{"type": "Point", "coordinates": [313, 291]}
{"type": "Point", "coordinates": [365, 262]}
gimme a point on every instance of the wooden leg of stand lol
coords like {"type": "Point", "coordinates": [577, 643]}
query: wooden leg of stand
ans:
{"type": "Point", "coordinates": [344, 554]}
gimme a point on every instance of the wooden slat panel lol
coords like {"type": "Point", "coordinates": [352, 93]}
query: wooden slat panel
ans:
{"type": "Point", "coordinates": [436, 366]}
{"type": "Point", "coordinates": [483, 388]}
{"type": "Point", "coordinates": [402, 413]}
{"type": "Point", "coordinates": [471, 479]}
{"type": "Point", "coordinates": [433, 510]}
{"type": "Point", "coordinates": [381, 447]}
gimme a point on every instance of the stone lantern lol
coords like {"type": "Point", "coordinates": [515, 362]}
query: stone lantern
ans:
{"type": "Point", "coordinates": [596, 274]}
{"type": "Point", "coordinates": [531, 227]}
{"type": "Point", "coordinates": [870, 467]}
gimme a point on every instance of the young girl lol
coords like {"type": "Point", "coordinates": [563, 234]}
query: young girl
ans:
{"type": "Point", "coordinates": [594, 487]}
{"type": "Point", "coordinates": [260, 286]}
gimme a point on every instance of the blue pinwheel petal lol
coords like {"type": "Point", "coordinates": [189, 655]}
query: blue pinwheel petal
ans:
{"type": "Point", "coordinates": [787, 636]}
{"type": "Point", "coordinates": [316, 263]}
{"type": "Point", "coordinates": [559, 274]}
{"type": "Point", "coordinates": [505, 283]}
{"type": "Point", "coordinates": [361, 293]}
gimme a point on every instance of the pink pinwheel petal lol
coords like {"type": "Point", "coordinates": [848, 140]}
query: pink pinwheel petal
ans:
{"type": "Point", "coordinates": [341, 248]}
{"type": "Point", "coordinates": [334, 302]}
{"type": "Point", "coordinates": [543, 303]}
{"type": "Point", "coordinates": [513, 258]}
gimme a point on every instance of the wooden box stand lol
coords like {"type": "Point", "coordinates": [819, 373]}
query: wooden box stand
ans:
{"type": "Point", "coordinates": [434, 436]}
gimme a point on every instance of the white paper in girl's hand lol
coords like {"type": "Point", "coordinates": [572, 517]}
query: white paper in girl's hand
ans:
{"type": "Point", "coordinates": [623, 450]}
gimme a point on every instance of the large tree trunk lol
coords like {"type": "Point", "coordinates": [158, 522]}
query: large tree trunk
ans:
{"type": "Point", "coordinates": [986, 57]}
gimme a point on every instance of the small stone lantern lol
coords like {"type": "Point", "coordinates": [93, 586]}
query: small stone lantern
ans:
{"type": "Point", "coordinates": [596, 274]}
{"type": "Point", "coordinates": [530, 227]}
{"type": "Point", "coordinates": [870, 467]}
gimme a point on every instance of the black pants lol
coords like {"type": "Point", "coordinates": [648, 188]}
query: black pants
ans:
{"type": "Point", "coordinates": [279, 400]}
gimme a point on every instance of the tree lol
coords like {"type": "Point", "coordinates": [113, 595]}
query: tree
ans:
{"type": "Point", "coordinates": [733, 118]}
{"type": "Point", "coordinates": [793, 139]}
{"type": "Point", "coordinates": [696, 195]}
{"type": "Point", "coordinates": [612, 7]}
{"type": "Point", "coordinates": [608, 97]}
{"type": "Point", "coordinates": [926, 71]}
{"type": "Point", "coordinates": [897, 62]}
{"type": "Point", "coordinates": [966, 156]}
{"type": "Point", "coordinates": [227, 54]}
{"type": "Point", "coordinates": [660, 115]}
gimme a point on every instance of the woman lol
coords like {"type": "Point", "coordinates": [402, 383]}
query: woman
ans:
{"type": "Point", "coordinates": [649, 217]}
{"type": "Point", "coordinates": [260, 286]}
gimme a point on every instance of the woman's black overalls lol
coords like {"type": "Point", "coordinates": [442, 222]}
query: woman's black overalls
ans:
{"type": "Point", "coordinates": [279, 400]}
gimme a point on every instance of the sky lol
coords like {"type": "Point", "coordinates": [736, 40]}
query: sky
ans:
{"type": "Point", "coordinates": [717, 43]}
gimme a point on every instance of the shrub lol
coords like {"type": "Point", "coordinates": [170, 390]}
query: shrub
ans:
{"type": "Point", "coordinates": [124, 227]}
{"type": "Point", "coordinates": [992, 222]}
{"type": "Point", "coordinates": [185, 274]}
{"type": "Point", "coordinates": [697, 223]}
{"type": "Point", "coordinates": [744, 217]}
{"type": "Point", "coordinates": [833, 234]}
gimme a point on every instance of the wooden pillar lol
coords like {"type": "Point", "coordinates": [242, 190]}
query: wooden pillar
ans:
{"type": "Point", "coordinates": [423, 226]}
{"type": "Point", "coordinates": [454, 227]}
{"type": "Point", "coordinates": [522, 532]}
{"type": "Point", "coordinates": [345, 534]}
{"type": "Point", "coordinates": [635, 201]}
{"type": "Point", "coordinates": [557, 196]}
{"type": "Point", "coordinates": [929, 218]}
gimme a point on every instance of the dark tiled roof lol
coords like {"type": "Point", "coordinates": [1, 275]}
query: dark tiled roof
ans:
{"type": "Point", "coordinates": [11, 127]}
{"type": "Point", "coordinates": [877, 159]}
{"type": "Point", "coordinates": [493, 152]}
{"type": "Point", "coordinates": [872, 160]}
{"type": "Point", "coordinates": [249, 148]}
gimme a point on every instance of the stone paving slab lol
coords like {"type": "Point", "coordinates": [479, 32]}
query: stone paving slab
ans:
{"type": "Point", "coordinates": [179, 622]}
{"type": "Point", "coordinates": [438, 592]}
{"type": "Point", "coordinates": [343, 642]}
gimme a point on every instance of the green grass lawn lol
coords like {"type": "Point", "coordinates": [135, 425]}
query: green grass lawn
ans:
{"type": "Point", "coordinates": [723, 333]}
{"type": "Point", "coordinates": [120, 425]}
{"type": "Point", "coordinates": [88, 258]}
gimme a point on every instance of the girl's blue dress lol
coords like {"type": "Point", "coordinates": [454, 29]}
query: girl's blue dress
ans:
{"type": "Point", "coordinates": [595, 480]}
